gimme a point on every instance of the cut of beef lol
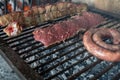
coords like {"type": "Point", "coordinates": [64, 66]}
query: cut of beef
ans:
{"type": "Point", "coordinates": [93, 19]}
{"type": "Point", "coordinates": [66, 29]}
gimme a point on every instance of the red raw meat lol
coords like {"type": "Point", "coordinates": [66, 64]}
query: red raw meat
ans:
{"type": "Point", "coordinates": [66, 29]}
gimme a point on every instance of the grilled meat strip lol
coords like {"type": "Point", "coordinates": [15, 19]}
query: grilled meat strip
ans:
{"type": "Point", "coordinates": [40, 14]}
{"type": "Point", "coordinates": [66, 29]}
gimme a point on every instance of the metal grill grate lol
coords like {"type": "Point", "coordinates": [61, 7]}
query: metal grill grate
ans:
{"type": "Point", "coordinates": [65, 60]}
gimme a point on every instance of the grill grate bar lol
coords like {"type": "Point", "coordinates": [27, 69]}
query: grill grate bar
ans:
{"type": "Point", "coordinates": [84, 70]}
{"type": "Point", "coordinates": [103, 71]}
{"type": "Point", "coordinates": [19, 39]}
{"type": "Point", "coordinates": [23, 42]}
{"type": "Point", "coordinates": [103, 14]}
{"type": "Point", "coordinates": [115, 23]}
{"type": "Point", "coordinates": [61, 55]}
{"type": "Point", "coordinates": [54, 50]}
{"type": "Point", "coordinates": [1, 32]}
{"type": "Point", "coordinates": [33, 48]}
{"type": "Point", "coordinates": [22, 34]}
{"type": "Point", "coordinates": [1, 28]}
{"type": "Point", "coordinates": [28, 45]}
{"type": "Point", "coordinates": [105, 23]}
{"type": "Point", "coordinates": [38, 47]}
{"type": "Point", "coordinates": [62, 62]}
{"type": "Point", "coordinates": [118, 27]}
{"type": "Point", "coordinates": [3, 36]}
{"type": "Point", "coordinates": [110, 25]}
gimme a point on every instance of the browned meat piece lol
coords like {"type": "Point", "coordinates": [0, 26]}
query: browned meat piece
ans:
{"type": "Point", "coordinates": [81, 21]}
{"type": "Point", "coordinates": [36, 14]}
{"type": "Point", "coordinates": [81, 8]}
{"type": "Point", "coordinates": [56, 33]}
{"type": "Point", "coordinates": [41, 9]}
{"type": "Point", "coordinates": [5, 20]}
{"type": "Point", "coordinates": [60, 5]}
{"type": "Point", "coordinates": [63, 30]}
{"type": "Point", "coordinates": [48, 8]}
{"type": "Point", "coordinates": [17, 17]}
{"type": "Point", "coordinates": [54, 7]}
{"type": "Point", "coordinates": [45, 35]}
{"type": "Point", "coordinates": [28, 18]}
{"type": "Point", "coordinates": [42, 13]}
{"type": "Point", "coordinates": [13, 29]}
{"type": "Point", "coordinates": [14, 16]}
{"type": "Point", "coordinates": [92, 18]}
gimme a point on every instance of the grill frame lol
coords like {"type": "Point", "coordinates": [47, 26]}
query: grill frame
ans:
{"type": "Point", "coordinates": [15, 61]}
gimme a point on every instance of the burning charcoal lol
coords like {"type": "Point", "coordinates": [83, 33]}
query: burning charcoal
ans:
{"type": "Point", "coordinates": [65, 66]}
{"type": "Point", "coordinates": [72, 61]}
{"type": "Point", "coordinates": [64, 77]}
{"type": "Point", "coordinates": [54, 55]}
{"type": "Point", "coordinates": [90, 76]}
{"type": "Point", "coordinates": [59, 68]}
{"type": "Point", "coordinates": [67, 73]}
{"type": "Point", "coordinates": [53, 72]}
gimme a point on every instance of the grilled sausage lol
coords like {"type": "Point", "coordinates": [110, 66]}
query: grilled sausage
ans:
{"type": "Point", "coordinates": [92, 41]}
{"type": "Point", "coordinates": [109, 33]}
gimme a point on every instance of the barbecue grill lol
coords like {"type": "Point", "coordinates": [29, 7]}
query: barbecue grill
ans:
{"type": "Point", "coordinates": [65, 60]}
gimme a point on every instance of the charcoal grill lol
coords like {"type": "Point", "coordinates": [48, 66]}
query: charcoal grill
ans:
{"type": "Point", "coordinates": [65, 60]}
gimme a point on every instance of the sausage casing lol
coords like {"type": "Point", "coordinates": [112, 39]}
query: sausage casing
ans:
{"type": "Point", "coordinates": [100, 51]}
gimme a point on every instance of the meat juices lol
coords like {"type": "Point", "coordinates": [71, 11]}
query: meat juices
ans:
{"type": "Point", "coordinates": [65, 29]}
{"type": "Point", "coordinates": [93, 42]}
{"type": "Point", "coordinates": [13, 29]}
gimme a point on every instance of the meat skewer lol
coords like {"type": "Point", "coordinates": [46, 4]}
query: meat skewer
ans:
{"type": "Point", "coordinates": [66, 29]}
{"type": "Point", "coordinates": [41, 13]}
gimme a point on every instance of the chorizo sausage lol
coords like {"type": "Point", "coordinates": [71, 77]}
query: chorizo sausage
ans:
{"type": "Point", "coordinates": [107, 33]}
{"type": "Point", "coordinates": [100, 51]}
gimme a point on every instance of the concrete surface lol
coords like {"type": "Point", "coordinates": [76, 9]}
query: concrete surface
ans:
{"type": "Point", "coordinates": [6, 73]}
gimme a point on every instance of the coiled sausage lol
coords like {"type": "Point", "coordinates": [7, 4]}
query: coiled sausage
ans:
{"type": "Point", "coordinates": [93, 42]}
